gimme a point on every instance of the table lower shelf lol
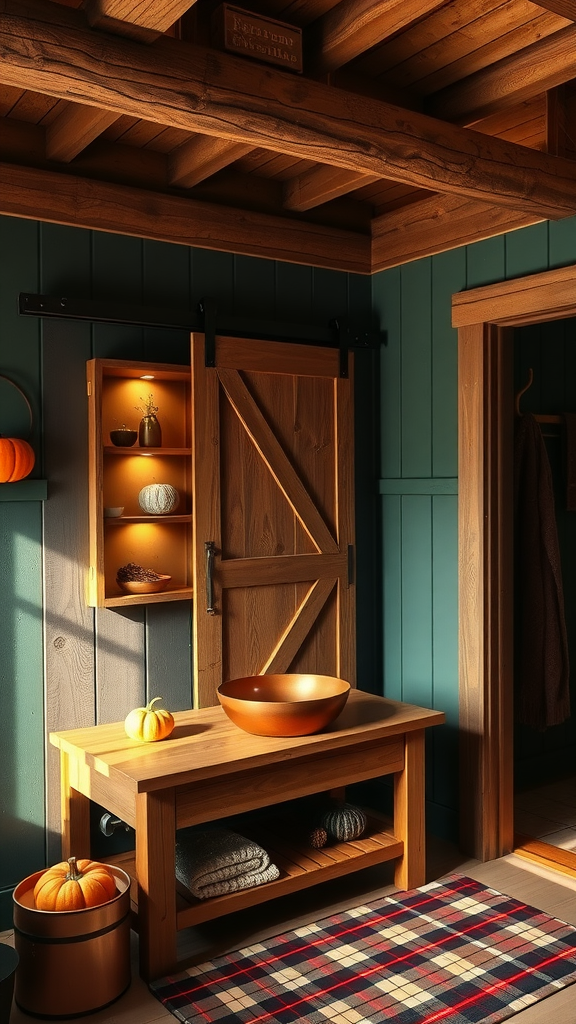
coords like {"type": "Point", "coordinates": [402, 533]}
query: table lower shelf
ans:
{"type": "Point", "coordinates": [300, 866]}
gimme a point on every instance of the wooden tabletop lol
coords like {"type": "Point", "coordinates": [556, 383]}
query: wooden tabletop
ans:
{"type": "Point", "coordinates": [206, 744]}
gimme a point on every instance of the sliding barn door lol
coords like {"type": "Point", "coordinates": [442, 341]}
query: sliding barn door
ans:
{"type": "Point", "coordinates": [273, 512]}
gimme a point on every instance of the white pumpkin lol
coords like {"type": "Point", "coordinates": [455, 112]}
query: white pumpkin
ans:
{"type": "Point", "coordinates": [158, 499]}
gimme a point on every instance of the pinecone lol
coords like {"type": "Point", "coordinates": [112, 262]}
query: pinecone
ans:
{"type": "Point", "coordinates": [132, 571]}
{"type": "Point", "coordinates": [317, 838]}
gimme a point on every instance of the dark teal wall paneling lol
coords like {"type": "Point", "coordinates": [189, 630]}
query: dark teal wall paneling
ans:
{"type": "Point", "coordinates": [416, 378]}
{"type": "Point", "coordinates": [21, 724]}
{"type": "Point", "coordinates": [392, 619]}
{"type": "Point", "coordinates": [527, 250]}
{"type": "Point", "coordinates": [561, 243]}
{"type": "Point", "coordinates": [22, 819]}
{"type": "Point", "coordinates": [448, 276]}
{"type": "Point", "coordinates": [387, 308]}
{"type": "Point", "coordinates": [20, 352]}
{"type": "Point", "coordinates": [485, 262]}
{"type": "Point", "coordinates": [416, 605]}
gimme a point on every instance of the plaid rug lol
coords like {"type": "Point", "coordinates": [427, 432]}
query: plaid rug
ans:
{"type": "Point", "coordinates": [452, 951]}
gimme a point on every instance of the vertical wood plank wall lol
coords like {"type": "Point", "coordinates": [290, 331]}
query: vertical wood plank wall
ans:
{"type": "Point", "coordinates": [63, 664]}
{"type": "Point", "coordinates": [418, 477]}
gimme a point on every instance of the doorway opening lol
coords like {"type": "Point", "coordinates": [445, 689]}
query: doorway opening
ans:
{"type": "Point", "coordinates": [486, 318]}
{"type": "Point", "coordinates": [545, 734]}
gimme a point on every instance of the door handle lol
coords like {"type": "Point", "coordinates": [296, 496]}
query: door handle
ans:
{"type": "Point", "coordinates": [210, 550]}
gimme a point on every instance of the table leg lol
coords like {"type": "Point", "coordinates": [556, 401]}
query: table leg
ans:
{"type": "Point", "coordinates": [156, 876]}
{"type": "Point", "coordinates": [409, 813]}
{"type": "Point", "coordinates": [75, 810]}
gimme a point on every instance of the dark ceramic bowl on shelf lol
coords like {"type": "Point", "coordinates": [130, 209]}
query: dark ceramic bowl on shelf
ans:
{"type": "Point", "coordinates": [296, 704]}
{"type": "Point", "coordinates": [123, 437]}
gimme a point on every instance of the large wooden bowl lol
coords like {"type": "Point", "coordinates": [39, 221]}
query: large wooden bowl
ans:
{"type": "Point", "coordinates": [296, 704]}
{"type": "Point", "coordinates": [144, 586]}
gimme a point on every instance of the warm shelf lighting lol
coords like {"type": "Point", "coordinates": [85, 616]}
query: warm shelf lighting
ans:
{"type": "Point", "coordinates": [147, 376]}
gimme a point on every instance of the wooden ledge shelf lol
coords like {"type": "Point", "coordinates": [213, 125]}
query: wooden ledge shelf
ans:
{"type": "Point", "coordinates": [111, 449]}
{"type": "Point", "coordinates": [24, 490]}
{"type": "Point", "coordinates": [176, 594]}
{"type": "Point", "coordinates": [123, 520]}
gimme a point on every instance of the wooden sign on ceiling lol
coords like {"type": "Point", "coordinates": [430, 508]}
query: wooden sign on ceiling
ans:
{"type": "Point", "coordinates": [261, 38]}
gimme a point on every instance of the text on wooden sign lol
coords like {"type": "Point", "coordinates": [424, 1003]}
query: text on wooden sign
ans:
{"type": "Point", "coordinates": [260, 38]}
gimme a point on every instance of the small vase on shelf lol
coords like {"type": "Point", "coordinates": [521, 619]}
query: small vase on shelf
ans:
{"type": "Point", "coordinates": [149, 431]}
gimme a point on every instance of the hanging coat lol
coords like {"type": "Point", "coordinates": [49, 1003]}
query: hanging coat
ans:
{"type": "Point", "coordinates": [542, 696]}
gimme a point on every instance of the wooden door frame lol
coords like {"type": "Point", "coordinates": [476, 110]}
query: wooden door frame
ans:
{"type": "Point", "coordinates": [485, 318]}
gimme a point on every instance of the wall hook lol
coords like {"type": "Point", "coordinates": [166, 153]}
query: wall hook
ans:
{"type": "Point", "coordinates": [522, 390]}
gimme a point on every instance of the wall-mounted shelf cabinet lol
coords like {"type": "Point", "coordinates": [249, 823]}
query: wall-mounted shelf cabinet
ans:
{"type": "Point", "coordinates": [163, 543]}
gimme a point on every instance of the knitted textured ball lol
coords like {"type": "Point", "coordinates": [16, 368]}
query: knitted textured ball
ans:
{"type": "Point", "coordinates": [158, 499]}
{"type": "Point", "coordinates": [317, 838]}
{"type": "Point", "coordinates": [344, 823]}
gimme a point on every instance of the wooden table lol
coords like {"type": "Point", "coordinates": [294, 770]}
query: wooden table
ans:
{"type": "Point", "coordinates": [208, 769]}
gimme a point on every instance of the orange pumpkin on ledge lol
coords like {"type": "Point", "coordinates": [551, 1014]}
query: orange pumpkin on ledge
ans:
{"type": "Point", "coordinates": [16, 459]}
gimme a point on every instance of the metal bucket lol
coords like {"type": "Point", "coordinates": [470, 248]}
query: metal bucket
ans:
{"type": "Point", "coordinates": [72, 962]}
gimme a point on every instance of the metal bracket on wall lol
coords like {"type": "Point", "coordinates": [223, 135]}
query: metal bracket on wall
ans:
{"type": "Point", "coordinates": [207, 310]}
{"type": "Point", "coordinates": [339, 333]}
{"type": "Point", "coordinates": [348, 337]}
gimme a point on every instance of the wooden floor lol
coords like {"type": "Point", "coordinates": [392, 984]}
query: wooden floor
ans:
{"type": "Point", "coordinates": [546, 889]}
{"type": "Point", "coordinates": [548, 813]}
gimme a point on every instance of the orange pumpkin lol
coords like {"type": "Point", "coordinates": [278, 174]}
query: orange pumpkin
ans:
{"type": "Point", "coordinates": [74, 885]}
{"type": "Point", "coordinates": [16, 459]}
{"type": "Point", "coordinates": [149, 723]}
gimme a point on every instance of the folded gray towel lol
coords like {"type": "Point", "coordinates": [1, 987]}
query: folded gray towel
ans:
{"type": "Point", "coordinates": [220, 861]}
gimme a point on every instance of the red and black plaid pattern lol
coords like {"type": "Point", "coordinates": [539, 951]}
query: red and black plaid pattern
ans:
{"type": "Point", "coordinates": [452, 951]}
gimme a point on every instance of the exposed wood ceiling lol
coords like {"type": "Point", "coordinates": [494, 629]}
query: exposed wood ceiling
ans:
{"type": "Point", "coordinates": [415, 126]}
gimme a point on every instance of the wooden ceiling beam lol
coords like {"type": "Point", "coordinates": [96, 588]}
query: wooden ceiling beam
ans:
{"type": "Point", "coordinates": [352, 29]}
{"type": "Point", "coordinates": [564, 8]}
{"type": "Point", "coordinates": [184, 86]}
{"type": "Point", "coordinates": [521, 76]}
{"type": "Point", "coordinates": [320, 185]}
{"type": "Point", "coordinates": [556, 121]}
{"type": "Point", "coordinates": [23, 143]}
{"type": "Point", "coordinates": [354, 26]}
{"type": "Point", "coordinates": [74, 129]}
{"type": "Point", "coordinates": [201, 157]}
{"type": "Point", "coordinates": [144, 20]}
{"type": "Point", "coordinates": [68, 199]}
{"type": "Point", "coordinates": [505, 85]}
{"type": "Point", "coordinates": [348, 34]}
{"type": "Point", "coordinates": [436, 224]}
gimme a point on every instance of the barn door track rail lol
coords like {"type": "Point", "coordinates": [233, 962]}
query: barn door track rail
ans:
{"type": "Point", "coordinates": [340, 332]}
